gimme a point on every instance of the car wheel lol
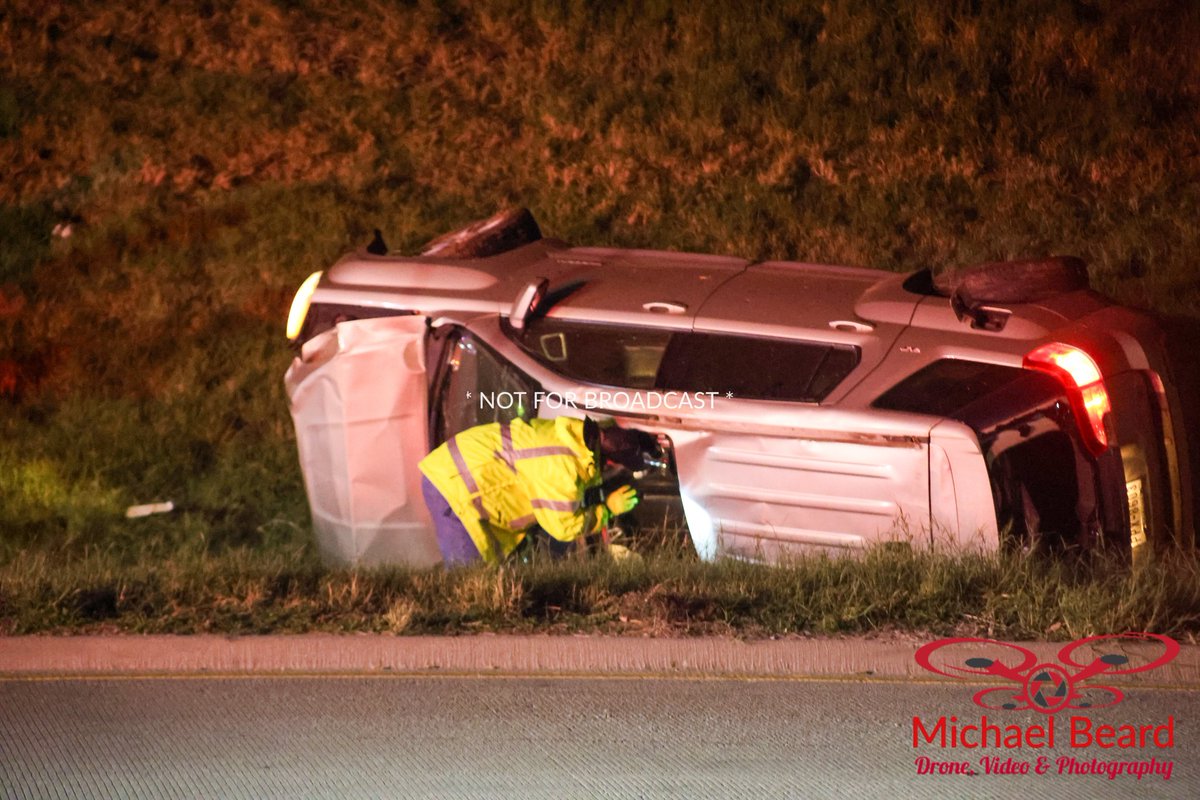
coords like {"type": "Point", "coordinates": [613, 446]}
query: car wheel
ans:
{"type": "Point", "coordinates": [487, 237]}
{"type": "Point", "coordinates": [1022, 281]}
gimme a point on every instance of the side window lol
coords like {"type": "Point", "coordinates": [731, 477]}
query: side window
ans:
{"type": "Point", "coordinates": [663, 358]}
{"type": "Point", "coordinates": [754, 368]}
{"type": "Point", "coordinates": [610, 355]}
{"type": "Point", "coordinates": [474, 386]}
{"type": "Point", "coordinates": [947, 386]}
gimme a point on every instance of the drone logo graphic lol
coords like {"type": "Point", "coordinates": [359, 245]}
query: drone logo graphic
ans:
{"type": "Point", "coordinates": [1048, 687]}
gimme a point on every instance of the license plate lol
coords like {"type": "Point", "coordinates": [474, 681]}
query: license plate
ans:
{"type": "Point", "coordinates": [1137, 513]}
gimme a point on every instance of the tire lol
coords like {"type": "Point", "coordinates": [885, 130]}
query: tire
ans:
{"type": "Point", "coordinates": [1024, 281]}
{"type": "Point", "coordinates": [497, 234]}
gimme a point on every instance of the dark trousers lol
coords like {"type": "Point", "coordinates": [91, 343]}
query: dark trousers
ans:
{"type": "Point", "coordinates": [453, 540]}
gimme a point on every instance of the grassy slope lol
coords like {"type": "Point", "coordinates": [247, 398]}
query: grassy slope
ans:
{"type": "Point", "coordinates": [208, 158]}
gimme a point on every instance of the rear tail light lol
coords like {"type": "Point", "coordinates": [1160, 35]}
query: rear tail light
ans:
{"type": "Point", "coordinates": [1085, 387]}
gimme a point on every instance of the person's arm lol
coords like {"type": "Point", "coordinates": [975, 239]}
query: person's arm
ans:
{"type": "Point", "coordinates": [610, 504]}
{"type": "Point", "coordinates": [562, 517]}
{"type": "Point", "coordinates": [566, 514]}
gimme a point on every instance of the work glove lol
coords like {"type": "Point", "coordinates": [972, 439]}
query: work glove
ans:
{"type": "Point", "coordinates": [619, 552]}
{"type": "Point", "coordinates": [622, 500]}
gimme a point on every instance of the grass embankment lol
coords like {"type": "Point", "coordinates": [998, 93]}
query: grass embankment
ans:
{"type": "Point", "coordinates": [664, 594]}
{"type": "Point", "coordinates": [170, 174]}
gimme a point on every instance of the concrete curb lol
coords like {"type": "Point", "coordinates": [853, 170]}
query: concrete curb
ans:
{"type": "Point", "coordinates": [889, 658]}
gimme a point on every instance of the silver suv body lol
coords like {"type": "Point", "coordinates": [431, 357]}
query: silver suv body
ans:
{"type": "Point", "coordinates": [793, 406]}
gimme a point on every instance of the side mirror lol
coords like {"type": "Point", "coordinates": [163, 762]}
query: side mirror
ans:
{"type": "Point", "coordinates": [527, 302]}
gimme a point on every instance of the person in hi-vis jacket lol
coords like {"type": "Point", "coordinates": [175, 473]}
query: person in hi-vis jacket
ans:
{"type": "Point", "coordinates": [490, 486]}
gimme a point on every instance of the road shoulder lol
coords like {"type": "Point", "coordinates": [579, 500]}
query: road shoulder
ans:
{"type": "Point", "coordinates": [889, 657]}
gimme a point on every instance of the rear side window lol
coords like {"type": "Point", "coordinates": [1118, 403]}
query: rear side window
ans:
{"type": "Point", "coordinates": [946, 387]}
{"type": "Point", "coordinates": [655, 358]}
{"type": "Point", "coordinates": [756, 369]}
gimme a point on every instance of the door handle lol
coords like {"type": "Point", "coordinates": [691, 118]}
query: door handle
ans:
{"type": "Point", "coordinates": [664, 307]}
{"type": "Point", "coordinates": [851, 326]}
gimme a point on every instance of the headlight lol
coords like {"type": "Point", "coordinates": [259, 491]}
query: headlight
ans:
{"type": "Point", "coordinates": [300, 302]}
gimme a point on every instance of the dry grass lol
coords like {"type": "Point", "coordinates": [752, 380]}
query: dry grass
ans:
{"type": "Point", "coordinates": [660, 594]}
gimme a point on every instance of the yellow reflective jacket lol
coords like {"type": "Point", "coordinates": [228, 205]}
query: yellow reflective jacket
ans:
{"type": "Point", "coordinates": [500, 478]}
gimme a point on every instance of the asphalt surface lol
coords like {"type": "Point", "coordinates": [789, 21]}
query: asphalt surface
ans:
{"type": "Point", "coordinates": [538, 716]}
{"type": "Point", "coordinates": [539, 737]}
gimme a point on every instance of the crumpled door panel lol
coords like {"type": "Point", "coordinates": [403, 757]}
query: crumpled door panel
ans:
{"type": "Point", "coordinates": [358, 400]}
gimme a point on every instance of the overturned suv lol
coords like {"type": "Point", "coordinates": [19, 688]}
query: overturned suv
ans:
{"type": "Point", "coordinates": [785, 406]}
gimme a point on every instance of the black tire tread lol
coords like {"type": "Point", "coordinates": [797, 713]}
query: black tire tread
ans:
{"type": "Point", "coordinates": [497, 234]}
{"type": "Point", "coordinates": [1022, 281]}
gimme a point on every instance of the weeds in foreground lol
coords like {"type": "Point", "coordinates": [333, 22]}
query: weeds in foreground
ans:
{"type": "Point", "coordinates": [660, 594]}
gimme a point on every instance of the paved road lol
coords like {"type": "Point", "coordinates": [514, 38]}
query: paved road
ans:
{"type": "Point", "coordinates": [534, 737]}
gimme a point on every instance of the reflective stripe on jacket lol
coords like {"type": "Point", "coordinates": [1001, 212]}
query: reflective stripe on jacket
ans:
{"type": "Point", "coordinates": [500, 478]}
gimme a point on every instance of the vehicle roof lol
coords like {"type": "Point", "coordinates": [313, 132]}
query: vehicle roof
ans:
{"type": "Point", "coordinates": [863, 307]}
{"type": "Point", "coordinates": [649, 287]}
{"type": "Point", "coordinates": [896, 324]}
